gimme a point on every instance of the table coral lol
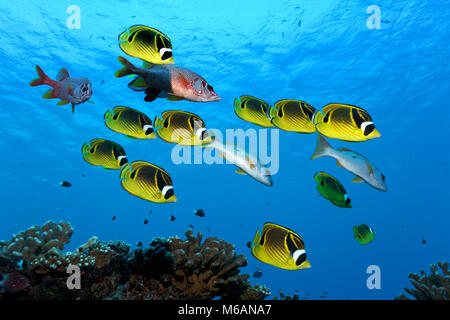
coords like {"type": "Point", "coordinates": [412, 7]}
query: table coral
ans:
{"type": "Point", "coordinates": [433, 286]}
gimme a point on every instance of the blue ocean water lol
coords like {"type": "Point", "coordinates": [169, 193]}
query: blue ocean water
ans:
{"type": "Point", "coordinates": [317, 51]}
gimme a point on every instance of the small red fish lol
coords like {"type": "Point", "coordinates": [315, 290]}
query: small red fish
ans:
{"type": "Point", "coordinates": [14, 282]}
{"type": "Point", "coordinates": [69, 90]}
{"type": "Point", "coordinates": [168, 81]}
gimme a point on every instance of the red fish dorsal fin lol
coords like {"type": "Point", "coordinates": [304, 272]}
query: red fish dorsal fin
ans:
{"type": "Point", "coordinates": [62, 74]}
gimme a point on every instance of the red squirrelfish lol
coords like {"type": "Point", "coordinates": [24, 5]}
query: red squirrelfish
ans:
{"type": "Point", "coordinates": [69, 90]}
{"type": "Point", "coordinates": [168, 81]}
{"type": "Point", "coordinates": [14, 282]}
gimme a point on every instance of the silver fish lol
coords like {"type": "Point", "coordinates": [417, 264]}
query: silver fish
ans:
{"type": "Point", "coordinates": [354, 162]}
{"type": "Point", "coordinates": [247, 163]}
{"type": "Point", "coordinates": [175, 82]}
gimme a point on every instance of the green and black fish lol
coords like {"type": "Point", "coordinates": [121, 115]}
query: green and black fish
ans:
{"type": "Point", "coordinates": [331, 189]}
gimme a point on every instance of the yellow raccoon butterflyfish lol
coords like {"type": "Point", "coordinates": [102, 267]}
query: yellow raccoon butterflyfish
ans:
{"type": "Point", "coordinates": [146, 43]}
{"type": "Point", "coordinates": [105, 153]}
{"type": "Point", "coordinates": [181, 127]}
{"type": "Point", "coordinates": [130, 122]}
{"type": "Point", "coordinates": [253, 110]}
{"type": "Point", "coordinates": [293, 115]}
{"type": "Point", "coordinates": [280, 247]}
{"type": "Point", "coordinates": [345, 122]}
{"type": "Point", "coordinates": [148, 182]}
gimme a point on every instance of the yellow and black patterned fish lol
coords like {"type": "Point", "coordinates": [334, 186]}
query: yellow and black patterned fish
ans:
{"type": "Point", "coordinates": [181, 127]}
{"type": "Point", "coordinates": [146, 43]}
{"type": "Point", "coordinates": [253, 110]}
{"type": "Point", "coordinates": [345, 122]}
{"type": "Point", "coordinates": [280, 247]}
{"type": "Point", "coordinates": [105, 153]}
{"type": "Point", "coordinates": [293, 115]}
{"type": "Point", "coordinates": [148, 182]}
{"type": "Point", "coordinates": [130, 122]}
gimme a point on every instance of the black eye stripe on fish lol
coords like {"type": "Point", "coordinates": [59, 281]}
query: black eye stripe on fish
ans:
{"type": "Point", "coordinates": [327, 116]}
{"type": "Point", "coordinates": [264, 108]}
{"type": "Point", "coordinates": [159, 43]}
{"type": "Point", "coordinates": [93, 149]}
{"type": "Point", "coordinates": [166, 123]}
{"type": "Point", "coordinates": [160, 181]}
{"type": "Point", "coordinates": [290, 244]}
{"type": "Point", "coordinates": [133, 174]}
{"type": "Point", "coordinates": [116, 152]}
{"type": "Point", "coordinates": [307, 111]}
{"type": "Point", "coordinates": [263, 238]}
{"type": "Point", "coordinates": [357, 117]}
{"type": "Point", "coordinates": [116, 116]}
{"type": "Point", "coordinates": [192, 122]}
{"type": "Point", "coordinates": [280, 112]}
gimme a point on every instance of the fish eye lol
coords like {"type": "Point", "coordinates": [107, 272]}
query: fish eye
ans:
{"type": "Point", "coordinates": [348, 201]}
{"type": "Point", "coordinates": [209, 87]}
{"type": "Point", "coordinates": [383, 177]}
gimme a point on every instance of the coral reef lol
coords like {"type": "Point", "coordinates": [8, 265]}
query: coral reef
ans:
{"type": "Point", "coordinates": [433, 286]}
{"type": "Point", "coordinates": [169, 268]}
{"type": "Point", "coordinates": [36, 241]}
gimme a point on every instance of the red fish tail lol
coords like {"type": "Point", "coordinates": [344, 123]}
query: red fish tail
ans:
{"type": "Point", "coordinates": [43, 79]}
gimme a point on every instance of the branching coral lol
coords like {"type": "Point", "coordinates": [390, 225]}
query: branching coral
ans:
{"type": "Point", "coordinates": [203, 270]}
{"type": "Point", "coordinates": [28, 245]}
{"type": "Point", "coordinates": [433, 286]}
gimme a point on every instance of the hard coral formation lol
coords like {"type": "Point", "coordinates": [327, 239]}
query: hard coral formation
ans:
{"type": "Point", "coordinates": [36, 241]}
{"type": "Point", "coordinates": [433, 286]}
{"type": "Point", "coordinates": [202, 271]}
{"type": "Point", "coordinates": [169, 268]}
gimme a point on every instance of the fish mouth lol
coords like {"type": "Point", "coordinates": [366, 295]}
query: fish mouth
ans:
{"type": "Point", "coordinates": [268, 181]}
{"type": "Point", "coordinates": [214, 98]}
